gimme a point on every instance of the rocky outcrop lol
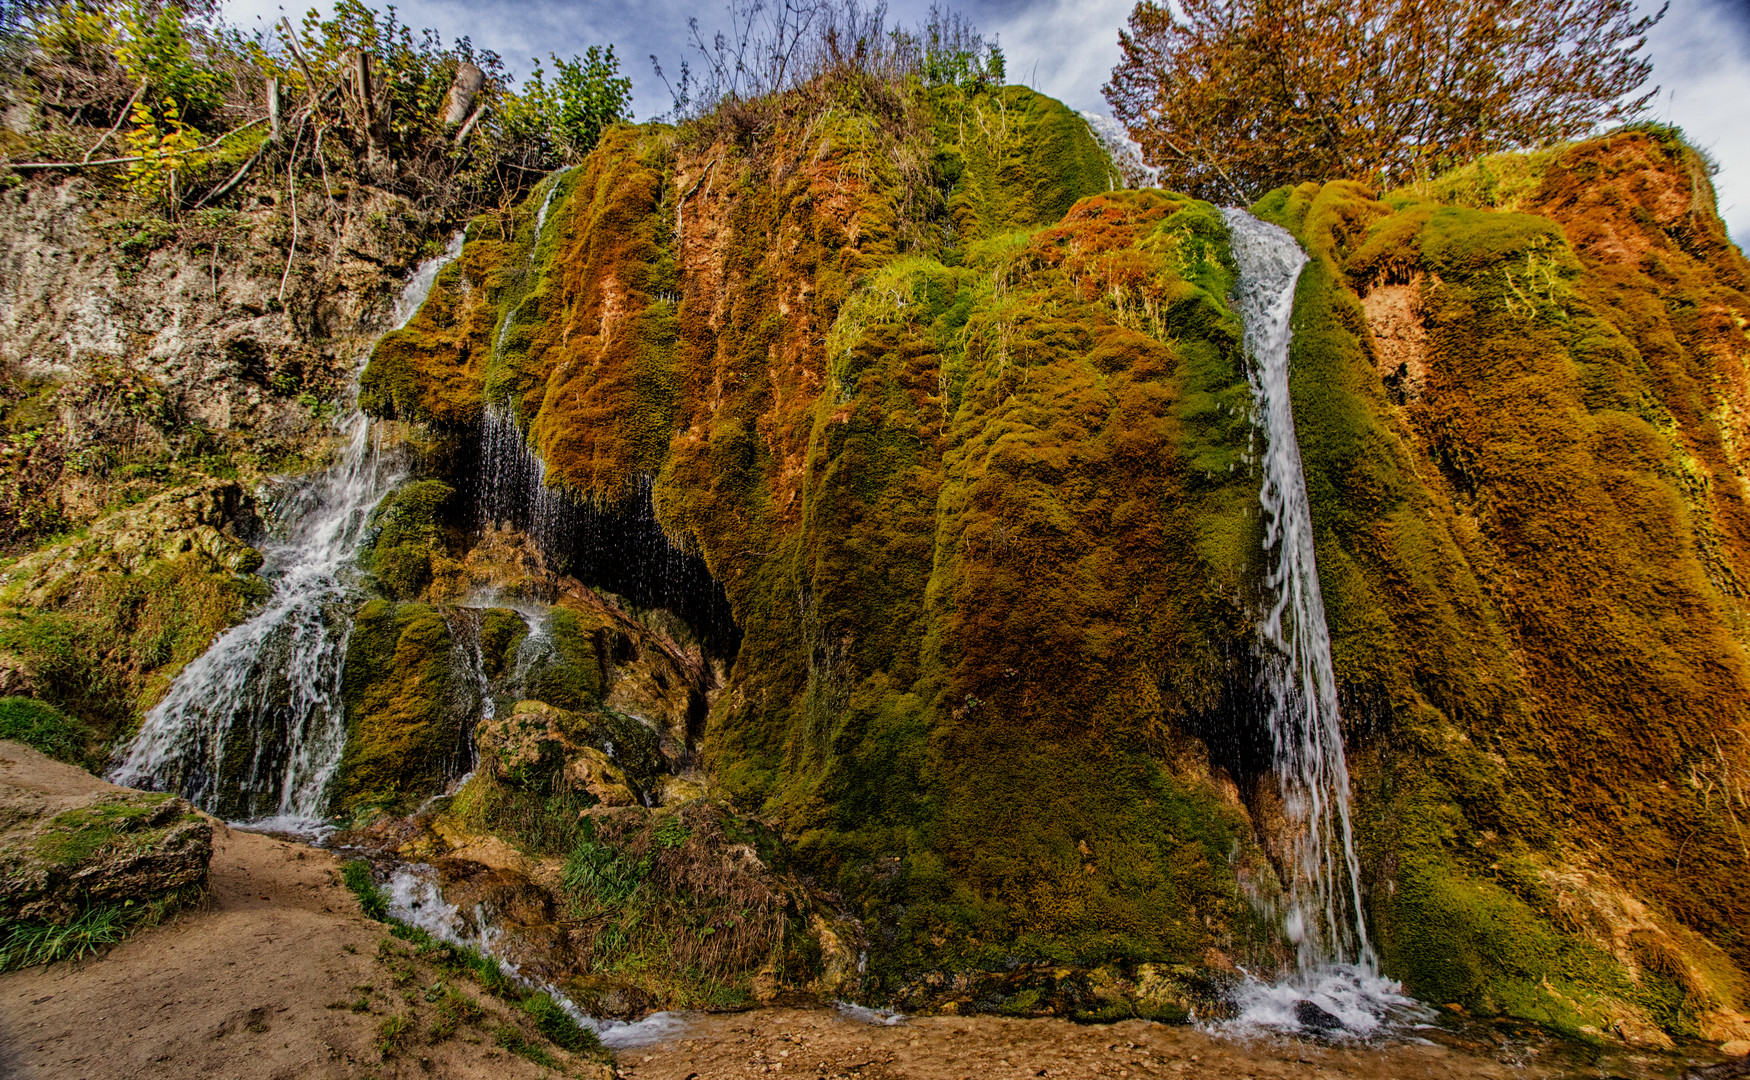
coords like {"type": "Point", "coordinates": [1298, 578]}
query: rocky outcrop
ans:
{"type": "Point", "coordinates": [131, 343]}
{"type": "Point", "coordinates": [157, 374]}
{"type": "Point", "coordinates": [65, 857]}
{"type": "Point", "coordinates": [542, 747]}
{"type": "Point", "coordinates": [213, 520]}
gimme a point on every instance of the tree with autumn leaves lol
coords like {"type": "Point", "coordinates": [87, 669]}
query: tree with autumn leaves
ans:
{"type": "Point", "coordinates": [1230, 98]}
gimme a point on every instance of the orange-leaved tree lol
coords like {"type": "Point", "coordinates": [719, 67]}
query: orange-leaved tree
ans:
{"type": "Point", "coordinates": [1231, 98]}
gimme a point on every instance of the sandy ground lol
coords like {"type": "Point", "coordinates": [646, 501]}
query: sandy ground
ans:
{"type": "Point", "coordinates": [820, 1043]}
{"type": "Point", "coordinates": [260, 985]}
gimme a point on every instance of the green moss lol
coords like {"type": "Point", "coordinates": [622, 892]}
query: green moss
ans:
{"type": "Point", "coordinates": [569, 676]}
{"type": "Point", "coordinates": [1517, 514]}
{"type": "Point", "coordinates": [402, 734]}
{"type": "Point", "coordinates": [1011, 158]}
{"type": "Point", "coordinates": [45, 728]}
{"type": "Point", "coordinates": [108, 644]}
{"type": "Point", "coordinates": [412, 540]}
{"type": "Point", "coordinates": [966, 439]}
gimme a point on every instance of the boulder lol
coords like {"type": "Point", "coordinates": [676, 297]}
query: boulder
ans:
{"type": "Point", "coordinates": [64, 855]}
{"type": "Point", "coordinates": [543, 747]}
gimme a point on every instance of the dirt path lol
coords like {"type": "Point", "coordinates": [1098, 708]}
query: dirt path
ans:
{"type": "Point", "coordinates": [260, 985]}
{"type": "Point", "coordinates": [827, 1045]}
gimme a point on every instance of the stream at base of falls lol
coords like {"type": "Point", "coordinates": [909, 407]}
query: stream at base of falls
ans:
{"type": "Point", "coordinates": [414, 898]}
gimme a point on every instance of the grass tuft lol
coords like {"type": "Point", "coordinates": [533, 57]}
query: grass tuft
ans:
{"type": "Point", "coordinates": [46, 729]}
{"type": "Point", "coordinates": [357, 875]}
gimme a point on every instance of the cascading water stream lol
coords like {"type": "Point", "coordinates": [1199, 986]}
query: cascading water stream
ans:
{"type": "Point", "coordinates": [253, 728]}
{"type": "Point", "coordinates": [414, 898]}
{"type": "Point", "coordinates": [1336, 968]}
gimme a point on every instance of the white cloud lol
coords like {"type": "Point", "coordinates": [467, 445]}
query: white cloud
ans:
{"type": "Point", "coordinates": [1065, 48]}
{"type": "Point", "coordinates": [1701, 59]}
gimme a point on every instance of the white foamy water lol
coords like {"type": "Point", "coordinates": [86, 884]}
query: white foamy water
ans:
{"type": "Point", "coordinates": [1126, 152]}
{"type": "Point", "coordinates": [253, 728]}
{"type": "Point", "coordinates": [1337, 980]}
{"type": "Point", "coordinates": [1353, 1002]}
{"type": "Point", "coordinates": [863, 1014]}
{"type": "Point", "coordinates": [416, 899]}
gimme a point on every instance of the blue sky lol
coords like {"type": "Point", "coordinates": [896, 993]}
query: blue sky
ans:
{"type": "Point", "coordinates": [1067, 48]}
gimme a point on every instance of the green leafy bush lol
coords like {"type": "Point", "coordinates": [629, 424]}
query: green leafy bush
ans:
{"type": "Point", "coordinates": [587, 94]}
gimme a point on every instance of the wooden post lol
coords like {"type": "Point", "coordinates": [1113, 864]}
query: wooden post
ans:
{"type": "Point", "coordinates": [298, 55]}
{"type": "Point", "coordinates": [273, 110]}
{"type": "Point", "coordinates": [463, 89]}
{"type": "Point", "coordinates": [361, 67]}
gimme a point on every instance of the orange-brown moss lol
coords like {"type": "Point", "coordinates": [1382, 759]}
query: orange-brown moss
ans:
{"type": "Point", "coordinates": [1533, 561]}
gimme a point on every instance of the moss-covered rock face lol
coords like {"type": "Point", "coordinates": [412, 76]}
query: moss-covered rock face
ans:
{"type": "Point", "coordinates": [964, 437]}
{"type": "Point", "coordinates": [96, 624]}
{"type": "Point", "coordinates": [1522, 437]}
{"type": "Point", "coordinates": [560, 698]}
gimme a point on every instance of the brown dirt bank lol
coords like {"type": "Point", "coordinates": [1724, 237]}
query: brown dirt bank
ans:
{"type": "Point", "coordinates": [264, 983]}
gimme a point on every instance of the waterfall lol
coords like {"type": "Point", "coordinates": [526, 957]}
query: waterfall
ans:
{"type": "Point", "coordinates": [1324, 918]}
{"type": "Point", "coordinates": [1337, 984]}
{"type": "Point", "coordinates": [513, 484]}
{"type": "Point", "coordinates": [254, 727]}
{"type": "Point", "coordinates": [541, 215]}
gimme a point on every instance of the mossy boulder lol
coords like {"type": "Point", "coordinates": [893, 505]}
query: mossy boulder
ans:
{"type": "Point", "coordinates": [408, 707]}
{"type": "Point", "coordinates": [116, 849]}
{"type": "Point", "coordinates": [412, 540]}
{"type": "Point", "coordinates": [542, 748]}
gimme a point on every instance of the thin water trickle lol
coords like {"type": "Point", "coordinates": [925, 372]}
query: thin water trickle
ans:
{"type": "Point", "coordinates": [415, 898]}
{"type": "Point", "coordinates": [1337, 973]}
{"type": "Point", "coordinates": [547, 202]}
{"type": "Point", "coordinates": [254, 727]}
